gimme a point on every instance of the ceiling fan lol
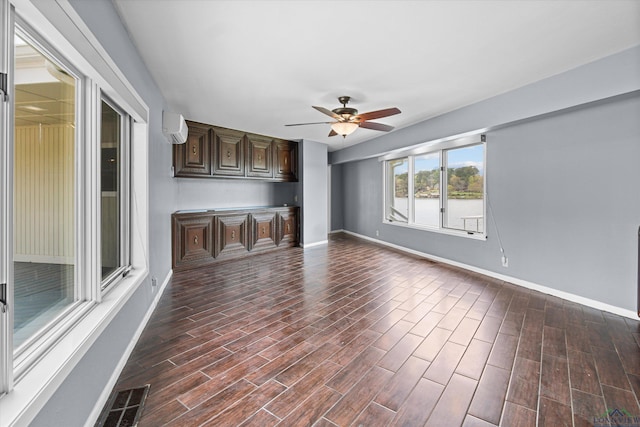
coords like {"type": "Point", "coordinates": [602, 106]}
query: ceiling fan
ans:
{"type": "Point", "coordinates": [348, 119]}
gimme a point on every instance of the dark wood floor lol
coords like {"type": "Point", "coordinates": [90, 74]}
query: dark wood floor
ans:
{"type": "Point", "coordinates": [356, 334]}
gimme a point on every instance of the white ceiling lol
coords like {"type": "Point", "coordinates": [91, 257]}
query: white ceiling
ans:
{"type": "Point", "coordinates": [258, 65]}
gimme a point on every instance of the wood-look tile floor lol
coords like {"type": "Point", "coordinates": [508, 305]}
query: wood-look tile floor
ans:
{"type": "Point", "coordinates": [356, 334]}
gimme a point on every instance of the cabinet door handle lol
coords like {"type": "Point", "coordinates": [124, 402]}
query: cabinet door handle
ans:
{"type": "Point", "coordinates": [194, 149]}
{"type": "Point", "coordinates": [285, 161]}
{"type": "Point", "coordinates": [288, 227]}
{"type": "Point", "coordinates": [233, 234]}
{"type": "Point", "coordinates": [195, 240]}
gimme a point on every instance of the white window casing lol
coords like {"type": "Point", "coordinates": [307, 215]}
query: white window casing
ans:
{"type": "Point", "coordinates": [31, 376]}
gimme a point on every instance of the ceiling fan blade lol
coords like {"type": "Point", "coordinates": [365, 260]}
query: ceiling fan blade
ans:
{"type": "Point", "coordinates": [332, 133]}
{"type": "Point", "coordinates": [311, 123]}
{"type": "Point", "coordinates": [376, 126]}
{"type": "Point", "coordinates": [378, 114]}
{"type": "Point", "coordinates": [328, 112]}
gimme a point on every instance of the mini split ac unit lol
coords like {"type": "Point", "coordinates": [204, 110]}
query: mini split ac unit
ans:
{"type": "Point", "coordinates": [174, 127]}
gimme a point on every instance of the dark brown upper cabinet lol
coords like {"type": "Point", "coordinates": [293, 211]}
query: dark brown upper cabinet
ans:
{"type": "Point", "coordinates": [228, 152]}
{"type": "Point", "coordinates": [215, 152]}
{"type": "Point", "coordinates": [193, 158]}
{"type": "Point", "coordinates": [260, 160]}
{"type": "Point", "coordinates": [286, 156]}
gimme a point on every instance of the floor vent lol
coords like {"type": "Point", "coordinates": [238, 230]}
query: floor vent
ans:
{"type": "Point", "coordinates": [124, 408]}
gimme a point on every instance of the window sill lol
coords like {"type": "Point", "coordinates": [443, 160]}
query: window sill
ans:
{"type": "Point", "coordinates": [447, 231]}
{"type": "Point", "coordinates": [41, 380]}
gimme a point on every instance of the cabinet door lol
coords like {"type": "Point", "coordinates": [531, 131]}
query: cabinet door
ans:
{"type": "Point", "coordinates": [193, 158]}
{"type": "Point", "coordinates": [192, 240]}
{"type": "Point", "coordinates": [287, 227]}
{"type": "Point", "coordinates": [228, 153]}
{"type": "Point", "coordinates": [232, 235]}
{"type": "Point", "coordinates": [263, 230]}
{"type": "Point", "coordinates": [286, 157]}
{"type": "Point", "coordinates": [259, 157]}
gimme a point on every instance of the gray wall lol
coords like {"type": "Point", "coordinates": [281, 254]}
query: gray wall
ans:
{"type": "Point", "coordinates": [196, 193]}
{"type": "Point", "coordinates": [563, 187]}
{"type": "Point", "coordinates": [337, 213]}
{"type": "Point", "coordinates": [614, 75]}
{"type": "Point", "coordinates": [314, 192]}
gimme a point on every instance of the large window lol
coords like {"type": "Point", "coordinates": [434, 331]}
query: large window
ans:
{"type": "Point", "coordinates": [44, 190]}
{"type": "Point", "coordinates": [447, 189]}
{"type": "Point", "coordinates": [72, 250]}
{"type": "Point", "coordinates": [53, 193]}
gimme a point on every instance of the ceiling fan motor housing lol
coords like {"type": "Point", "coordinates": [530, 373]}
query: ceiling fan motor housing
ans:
{"type": "Point", "coordinates": [345, 111]}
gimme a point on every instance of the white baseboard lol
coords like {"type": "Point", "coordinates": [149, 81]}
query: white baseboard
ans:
{"type": "Point", "coordinates": [514, 280]}
{"type": "Point", "coordinates": [337, 231]}
{"type": "Point", "coordinates": [310, 245]}
{"type": "Point", "coordinates": [104, 396]}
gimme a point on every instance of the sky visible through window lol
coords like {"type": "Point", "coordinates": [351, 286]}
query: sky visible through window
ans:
{"type": "Point", "coordinates": [467, 156]}
{"type": "Point", "coordinates": [460, 157]}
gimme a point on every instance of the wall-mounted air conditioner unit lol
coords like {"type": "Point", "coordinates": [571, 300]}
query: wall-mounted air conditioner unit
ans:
{"type": "Point", "coordinates": [174, 127]}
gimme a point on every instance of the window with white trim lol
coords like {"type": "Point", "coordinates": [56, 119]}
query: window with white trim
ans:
{"type": "Point", "coordinates": [438, 187]}
{"type": "Point", "coordinates": [114, 185]}
{"type": "Point", "coordinates": [70, 241]}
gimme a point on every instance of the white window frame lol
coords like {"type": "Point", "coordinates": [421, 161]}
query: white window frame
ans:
{"type": "Point", "coordinates": [442, 147]}
{"type": "Point", "coordinates": [33, 377]}
{"type": "Point", "coordinates": [125, 182]}
{"type": "Point", "coordinates": [38, 344]}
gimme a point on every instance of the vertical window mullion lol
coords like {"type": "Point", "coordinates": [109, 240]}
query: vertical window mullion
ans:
{"type": "Point", "coordinates": [125, 207]}
{"type": "Point", "coordinates": [443, 187]}
{"type": "Point", "coordinates": [410, 191]}
{"type": "Point", "coordinates": [91, 205]}
{"type": "Point", "coordinates": [6, 171]}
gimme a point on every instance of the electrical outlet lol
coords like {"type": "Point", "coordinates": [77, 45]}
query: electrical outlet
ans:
{"type": "Point", "coordinates": [295, 198]}
{"type": "Point", "coordinates": [505, 261]}
{"type": "Point", "coordinates": [154, 281]}
{"type": "Point", "coordinates": [377, 233]}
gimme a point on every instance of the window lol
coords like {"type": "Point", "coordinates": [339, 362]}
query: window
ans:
{"type": "Point", "coordinates": [398, 191]}
{"type": "Point", "coordinates": [52, 279]}
{"type": "Point", "coordinates": [464, 201]}
{"type": "Point", "coordinates": [44, 190]}
{"type": "Point", "coordinates": [114, 136]}
{"type": "Point", "coordinates": [447, 191]}
{"type": "Point", "coordinates": [426, 189]}
{"type": "Point", "coordinates": [72, 250]}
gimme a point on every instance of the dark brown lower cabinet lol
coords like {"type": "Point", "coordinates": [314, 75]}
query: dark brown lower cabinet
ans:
{"type": "Point", "coordinates": [288, 228]}
{"type": "Point", "coordinates": [192, 240]}
{"type": "Point", "coordinates": [204, 237]}
{"type": "Point", "coordinates": [231, 235]}
{"type": "Point", "coordinates": [263, 234]}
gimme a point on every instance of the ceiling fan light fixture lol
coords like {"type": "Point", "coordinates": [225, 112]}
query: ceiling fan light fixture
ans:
{"type": "Point", "coordinates": [344, 128]}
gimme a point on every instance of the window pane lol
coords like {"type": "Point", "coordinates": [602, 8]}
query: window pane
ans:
{"type": "Point", "coordinates": [464, 208]}
{"type": "Point", "coordinates": [44, 191]}
{"type": "Point", "coordinates": [427, 189]}
{"type": "Point", "coordinates": [398, 190]}
{"type": "Point", "coordinates": [111, 147]}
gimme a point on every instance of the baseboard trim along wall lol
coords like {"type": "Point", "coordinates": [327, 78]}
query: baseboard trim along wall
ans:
{"type": "Point", "coordinates": [95, 413]}
{"type": "Point", "coordinates": [310, 245]}
{"type": "Point", "coordinates": [524, 283]}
